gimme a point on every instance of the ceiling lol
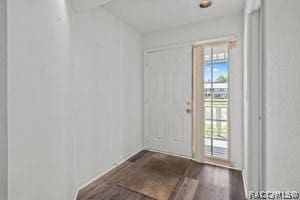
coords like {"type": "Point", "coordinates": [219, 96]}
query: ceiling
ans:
{"type": "Point", "coordinates": [153, 15]}
{"type": "Point", "coordinates": [83, 5]}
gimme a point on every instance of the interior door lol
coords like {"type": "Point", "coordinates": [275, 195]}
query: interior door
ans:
{"type": "Point", "coordinates": [168, 100]}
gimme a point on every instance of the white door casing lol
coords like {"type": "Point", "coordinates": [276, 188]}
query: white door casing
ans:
{"type": "Point", "coordinates": [168, 86]}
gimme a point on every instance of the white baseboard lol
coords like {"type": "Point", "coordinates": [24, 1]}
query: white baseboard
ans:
{"type": "Point", "coordinates": [106, 171]}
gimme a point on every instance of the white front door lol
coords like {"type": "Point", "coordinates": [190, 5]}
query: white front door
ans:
{"type": "Point", "coordinates": [168, 100]}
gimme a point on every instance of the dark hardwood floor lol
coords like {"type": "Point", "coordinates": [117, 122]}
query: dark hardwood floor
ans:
{"type": "Point", "coordinates": [200, 181]}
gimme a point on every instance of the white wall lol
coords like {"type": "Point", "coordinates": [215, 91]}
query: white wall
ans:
{"type": "Point", "coordinates": [39, 110]}
{"type": "Point", "coordinates": [3, 99]}
{"type": "Point", "coordinates": [282, 96]}
{"type": "Point", "coordinates": [75, 94]}
{"type": "Point", "coordinates": [108, 79]}
{"type": "Point", "coordinates": [213, 29]}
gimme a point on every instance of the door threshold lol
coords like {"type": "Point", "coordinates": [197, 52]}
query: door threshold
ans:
{"type": "Point", "coordinates": [218, 162]}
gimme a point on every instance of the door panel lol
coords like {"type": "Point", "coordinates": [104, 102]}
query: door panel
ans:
{"type": "Point", "coordinates": [168, 93]}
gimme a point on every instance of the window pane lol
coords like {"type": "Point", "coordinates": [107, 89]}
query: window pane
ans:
{"type": "Point", "coordinates": [207, 65]}
{"type": "Point", "coordinates": [207, 92]}
{"type": "Point", "coordinates": [220, 149]}
{"type": "Point", "coordinates": [207, 110]}
{"type": "Point", "coordinates": [219, 129]}
{"type": "Point", "coordinates": [208, 138]}
{"type": "Point", "coordinates": [220, 110]}
{"type": "Point", "coordinates": [216, 101]}
{"type": "Point", "coordinates": [217, 96]}
{"type": "Point", "coordinates": [220, 140]}
{"type": "Point", "coordinates": [220, 69]}
{"type": "Point", "coordinates": [220, 91]}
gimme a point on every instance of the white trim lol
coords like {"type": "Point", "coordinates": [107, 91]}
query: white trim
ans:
{"type": "Point", "coordinates": [168, 47]}
{"type": "Point", "coordinates": [261, 100]}
{"type": "Point", "coordinates": [115, 164]}
{"type": "Point", "coordinates": [232, 37]}
{"type": "Point", "coordinates": [191, 43]}
{"type": "Point", "coordinates": [245, 181]}
{"type": "Point", "coordinates": [221, 165]}
{"type": "Point", "coordinates": [252, 6]}
{"type": "Point", "coordinates": [253, 10]}
{"type": "Point", "coordinates": [145, 101]}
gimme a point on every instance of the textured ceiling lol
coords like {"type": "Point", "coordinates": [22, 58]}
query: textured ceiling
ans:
{"type": "Point", "coordinates": [152, 15]}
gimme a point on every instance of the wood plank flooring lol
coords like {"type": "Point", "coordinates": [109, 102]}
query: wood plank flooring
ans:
{"type": "Point", "coordinates": [199, 182]}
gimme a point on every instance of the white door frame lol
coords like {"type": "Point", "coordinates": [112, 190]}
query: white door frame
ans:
{"type": "Point", "coordinates": [169, 47]}
{"type": "Point", "coordinates": [198, 99]}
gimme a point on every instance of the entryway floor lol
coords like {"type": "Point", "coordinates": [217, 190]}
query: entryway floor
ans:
{"type": "Point", "coordinates": [197, 182]}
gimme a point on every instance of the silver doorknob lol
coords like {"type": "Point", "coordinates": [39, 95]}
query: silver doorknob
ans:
{"type": "Point", "coordinates": [188, 110]}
